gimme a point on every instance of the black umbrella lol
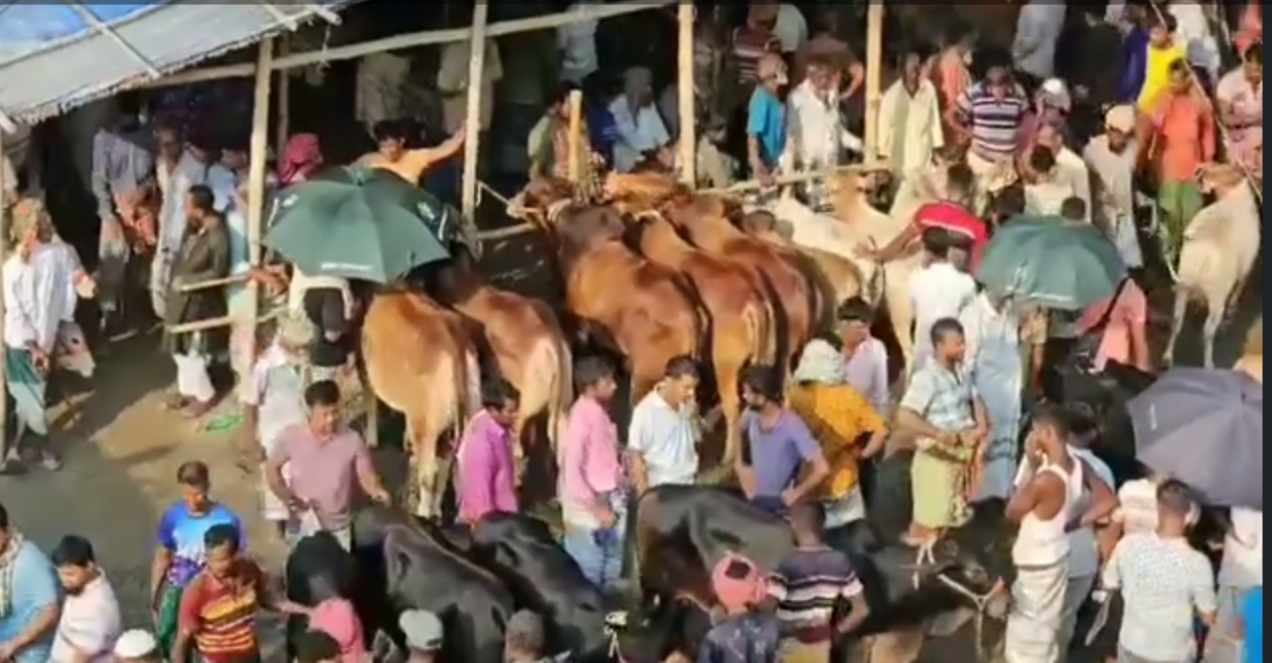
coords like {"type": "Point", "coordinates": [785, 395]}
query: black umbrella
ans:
{"type": "Point", "coordinates": [1205, 428]}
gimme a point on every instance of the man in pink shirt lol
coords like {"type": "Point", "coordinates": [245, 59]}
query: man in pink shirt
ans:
{"type": "Point", "coordinates": [485, 474]}
{"type": "Point", "coordinates": [326, 460]}
{"type": "Point", "coordinates": [592, 502]}
{"type": "Point", "coordinates": [1125, 339]}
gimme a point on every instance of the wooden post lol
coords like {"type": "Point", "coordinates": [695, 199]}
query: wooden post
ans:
{"type": "Point", "coordinates": [4, 256]}
{"type": "Point", "coordinates": [685, 95]}
{"type": "Point", "coordinates": [472, 129]}
{"type": "Point", "coordinates": [874, 74]}
{"type": "Point", "coordinates": [256, 197]}
{"type": "Point", "coordinates": [283, 129]}
{"type": "Point", "coordinates": [574, 142]}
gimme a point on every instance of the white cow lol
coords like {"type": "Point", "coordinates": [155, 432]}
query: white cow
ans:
{"type": "Point", "coordinates": [1219, 250]}
{"type": "Point", "coordinates": [856, 224]}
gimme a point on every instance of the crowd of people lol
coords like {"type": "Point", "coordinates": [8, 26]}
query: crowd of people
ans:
{"type": "Point", "coordinates": [178, 202]}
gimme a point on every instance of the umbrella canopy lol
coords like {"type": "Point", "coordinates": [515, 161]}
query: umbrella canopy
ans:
{"type": "Point", "coordinates": [360, 223]}
{"type": "Point", "coordinates": [57, 55]}
{"type": "Point", "coordinates": [1051, 262]}
{"type": "Point", "coordinates": [1205, 428]}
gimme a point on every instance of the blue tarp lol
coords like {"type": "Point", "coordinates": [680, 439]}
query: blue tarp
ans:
{"type": "Point", "coordinates": [55, 56]}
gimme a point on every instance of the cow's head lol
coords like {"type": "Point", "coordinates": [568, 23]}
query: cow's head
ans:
{"type": "Point", "coordinates": [975, 560]}
{"type": "Point", "coordinates": [73, 354]}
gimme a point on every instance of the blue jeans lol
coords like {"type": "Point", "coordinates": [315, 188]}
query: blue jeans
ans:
{"type": "Point", "coordinates": [598, 552]}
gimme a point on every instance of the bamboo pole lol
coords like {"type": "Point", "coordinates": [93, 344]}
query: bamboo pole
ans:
{"type": "Point", "coordinates": [256, 194]}
{"type": "Point", "coordinates": [574, 142]}
{"type": "Point", "coordinates": [685, 95]}
{"type": "Point", "coordinates": [4, 257]}
{"type": "Point", "coordinates": [874, 73]}
{"type": "Point", "coordinates": [472, 128]}
{"type": "Point", "coordinates": [283, 130]}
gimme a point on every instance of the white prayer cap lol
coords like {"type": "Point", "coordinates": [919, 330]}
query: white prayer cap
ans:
{"type": "Point", "coordinates": [136, 643]}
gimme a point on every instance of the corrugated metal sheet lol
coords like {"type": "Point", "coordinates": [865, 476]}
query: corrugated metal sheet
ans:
{"type": "Point", "coordinates": [52, 58]}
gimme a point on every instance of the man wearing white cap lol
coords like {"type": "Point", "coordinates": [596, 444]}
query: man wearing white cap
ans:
{"type": "Point", "coordinates": [136, 646]}
{"type": "Point", "coordinates": [423, 632]}
{"type": "Point", "coordinates": [1111, 158]}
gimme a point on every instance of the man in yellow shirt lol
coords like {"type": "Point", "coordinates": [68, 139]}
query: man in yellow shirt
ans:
{"type": "Point", "coordinates": [839, 418]}
{"type": "Point", "coordinates": [411, 164]}
{"type": "Point", "coordinates": [1163, 50]}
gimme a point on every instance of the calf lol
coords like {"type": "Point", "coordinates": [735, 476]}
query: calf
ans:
{"type": "Point", "coordinates": [543, 578]}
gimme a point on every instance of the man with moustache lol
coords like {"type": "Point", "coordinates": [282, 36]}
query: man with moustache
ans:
{"type": "Point", "coordinates": [90, 621]}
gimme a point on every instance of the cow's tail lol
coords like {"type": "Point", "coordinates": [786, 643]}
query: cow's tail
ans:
{"type": "Point", "coordinates": [562, 392]}
{"type": "Point", "coordinates": [763, 346]}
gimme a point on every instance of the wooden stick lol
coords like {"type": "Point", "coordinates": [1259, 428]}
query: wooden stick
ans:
{"type": "Point", "coordinates": [472, 130]}
{"type": "Point", "coordinates": [217, 283]}
{"type": "Point", "coordinates": [284, 102]}
{"type": "Point", "coordinates": [574, 166]}
{"type": "Point", "coordinates": [4, 257]}
{"type": "Point", "coordinates": [256, 193]}
{"type": "Point", "coordinates": [223, 321]}
{"type": "Point", "coordinates": [588, 12]}
{"type": "Point", "coordinates": [874, 72]}
{"type": "Point", "coordinates": [685, 95]}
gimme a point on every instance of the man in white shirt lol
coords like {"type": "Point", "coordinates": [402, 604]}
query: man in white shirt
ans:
{"type": "Point", "coordinates": [90, 620]}
{"type": "Point", "coordinates": [1240, 571]}
{"type": "Point", "coordinates": [937, 290]}
{"type": "Point", "coordinates": [1165, 584]}
{"type": "Point", "coordinates": [577, 42]}
{"type": "Point", "coordinates": [1038, 29]}
{"type": "Point", "coordinates": [662, 446]}
{"type": "Point", "coordinates": [1045, 189]}
{"type": "Point", "coordinates": [39, 294]}
{"type": "Point", "coordinates": [640, 128]}
{"type": "Point", "coordinates": [1071, 170]}
{"type": "Point", "coordinates": [1084, 553]}
{"type": "Point", "coordinates": [814, 123]}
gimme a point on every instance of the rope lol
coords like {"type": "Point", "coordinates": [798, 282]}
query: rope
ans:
{"type": "Point", "coordinates": [1223, 130]}
{"type": "Point", "coordinates": [981, 601]}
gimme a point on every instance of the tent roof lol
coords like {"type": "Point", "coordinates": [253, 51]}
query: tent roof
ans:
{"type": "Point", "coordinates": [56, 56]}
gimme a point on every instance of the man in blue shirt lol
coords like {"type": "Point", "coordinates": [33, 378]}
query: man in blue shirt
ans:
{"type": "Point", "coordinates": [181, 555]}
{"type": "Point", "coordinates": [29, 607]}
{"type": "Point", "coordinates": [766, 119]}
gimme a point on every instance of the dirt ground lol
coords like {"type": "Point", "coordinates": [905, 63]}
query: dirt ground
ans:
{"type": "Point", "coordinates": [122, 449]}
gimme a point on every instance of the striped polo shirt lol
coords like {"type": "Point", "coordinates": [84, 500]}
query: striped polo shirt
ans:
{"type": "Point", "coordinates": [221, 614]}
{"type": "Point", "coordinates": [807, 587]}
{"type": "Point", "coordinates": [994, 122]}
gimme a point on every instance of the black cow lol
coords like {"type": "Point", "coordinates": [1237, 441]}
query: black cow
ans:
{"type": "Point", "coordinates": [1100, 399]}
{"type": "Point", "coordinates": [545, 579]}
{"type": "Point", "coordinates": [682, 531]}
{"type": "Point", "coordinates": [407, 564]}
{"type": "Point", "coordinates": [317, 569]}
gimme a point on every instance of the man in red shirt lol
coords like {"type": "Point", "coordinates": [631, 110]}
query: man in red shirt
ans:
{"type": "Point", "coordinates": [952, 214]}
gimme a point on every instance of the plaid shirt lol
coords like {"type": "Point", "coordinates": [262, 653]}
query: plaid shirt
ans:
{"type": "Point", "coordinates": [943, 398]}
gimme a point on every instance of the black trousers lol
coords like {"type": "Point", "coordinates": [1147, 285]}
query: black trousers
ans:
{"type": "Point", "coordinates": [325, 307]}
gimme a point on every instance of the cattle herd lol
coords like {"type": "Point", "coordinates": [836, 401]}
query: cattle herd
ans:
{"type": "Point", "coordinates": [652, 272]}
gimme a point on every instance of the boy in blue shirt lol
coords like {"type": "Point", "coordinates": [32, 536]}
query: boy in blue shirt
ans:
{"type": "Point", "coordinates": [766, 119]}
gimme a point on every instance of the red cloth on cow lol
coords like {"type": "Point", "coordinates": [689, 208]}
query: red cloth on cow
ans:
{"type": "Point", "coordinates": [956, 219]}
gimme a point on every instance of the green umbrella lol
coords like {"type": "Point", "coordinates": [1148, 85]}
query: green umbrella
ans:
{"type": "Point", "coordinates": [359, 223]}
{"type": "Point", "coordinates": [1051, 262]}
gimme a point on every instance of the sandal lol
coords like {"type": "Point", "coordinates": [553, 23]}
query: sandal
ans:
{"type": "Point", "coordinates": [50, 461]}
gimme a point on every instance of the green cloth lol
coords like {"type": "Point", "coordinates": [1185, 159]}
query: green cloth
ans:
{"type": "Point", "coordinates": [1051, 262]}
{"type": "Point", "coordinates": [1179, 202]}
{"type": "Point", "coordinates": [363, 224]}
{"type": "Point", "coordinates": [168, 619]}
{"type": "Point", "coordinates": [28, 387]}
{"type": "Point", "coordinates": [937, 486]}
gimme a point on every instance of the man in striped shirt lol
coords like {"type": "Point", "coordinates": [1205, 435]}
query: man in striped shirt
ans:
{"type": "Point", "coordinates": [809, 585]}
{"type": "Point", "coordinates": [988, 114]}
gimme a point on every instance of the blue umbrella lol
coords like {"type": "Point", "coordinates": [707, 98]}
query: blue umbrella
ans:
{"type": "Point", "coordinates": [57, 55]}
{"type": "Point", "coordinates": [1205, 428]}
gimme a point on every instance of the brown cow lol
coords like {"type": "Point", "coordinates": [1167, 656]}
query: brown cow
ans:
{"type": "Point", "coordinates": [621, 301]}
{"type": "Point", "coordinates": [703, 219]}
{"type": "Point", "coordinates": [525, 338]}
{"type": "Point", "coordinates": [840, 274]}
{"type": "Point", "coordinates": [741, 314]}
{"type": "Point", "coordinates": [421, 362]}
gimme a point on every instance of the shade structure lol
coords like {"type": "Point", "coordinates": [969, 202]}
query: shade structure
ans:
{"type": "Point", "coordinates": [58, 55]}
